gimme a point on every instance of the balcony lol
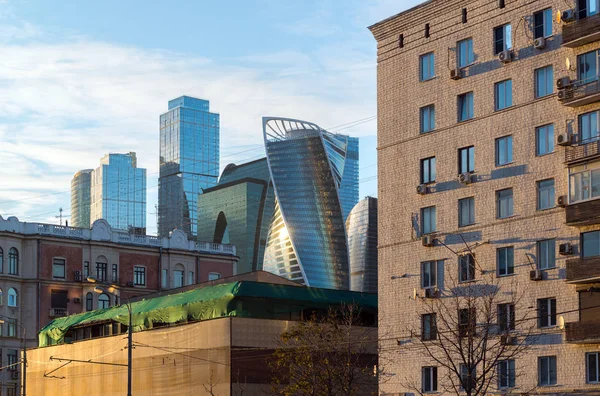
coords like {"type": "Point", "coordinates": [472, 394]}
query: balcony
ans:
{"type": "Point", "coordinates": [581, 94]}
{"type": "Point", "coordinates": [582, 332]}
{"type": "Point", "coordinates": [582, 152]}
{"type": "Point", "coordinates": [57, 312]}
{"type": "Point", "coordinates": [581, 32]}
{"type": "Point", "coordinates": [583, 213]}
{"type": "Point", "coordinates": [583, 270]}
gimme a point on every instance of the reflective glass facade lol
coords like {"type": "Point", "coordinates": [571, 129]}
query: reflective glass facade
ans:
{"type": "Point", "coordinates": [349, 185]}
{"type": "Point", "coordinates": [189, 162]}
{"type": "Point", "coordinates": [238, 211]}
{"type": "Point", "coordinates": [118, 193]}
{"type": "Point", "coordinates": [81, 198]}
{"type": "Point", "coordinates": [361, 227]}
{"type": "Point", "coordinates": [307, 237]}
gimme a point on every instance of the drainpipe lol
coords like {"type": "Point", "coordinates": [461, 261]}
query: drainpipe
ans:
{"type": "Point", "coordinates": [159, 277]}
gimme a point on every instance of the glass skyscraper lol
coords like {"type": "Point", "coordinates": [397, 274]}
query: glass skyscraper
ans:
{"type": "Point", "coordinates": [238, 211]}
{"type": "Point", "coordinates": [361, 226]}
{"type": "Point", "coordinates": [81, 185]}
{"type": "Point", "coordinates": [307, 238]}
{"type": "Point", "coordinates": [118, 193]}
{"type": "Point", "coordinates": [189, 162]}
{"type": "Point", "coordinates": [349, 184]}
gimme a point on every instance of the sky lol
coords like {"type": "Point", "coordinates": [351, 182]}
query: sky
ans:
{"type": "Point", "coordinates": [79, 79]}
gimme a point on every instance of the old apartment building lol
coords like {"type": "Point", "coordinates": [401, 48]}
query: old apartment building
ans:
{"type": "Point", "coordinates": [44, 270]}
{"type": "Point", "coordinates": [489, 168]}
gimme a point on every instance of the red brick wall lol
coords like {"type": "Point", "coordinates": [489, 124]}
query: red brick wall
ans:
{"type": "Point", "coordinates": [225, 268]}
{"type": "Point", "coordinates": [72, 254]}
{"type": "Point", "coordinates": [72, 307]}
{"type": "Point", "coordinates": [128, 260]}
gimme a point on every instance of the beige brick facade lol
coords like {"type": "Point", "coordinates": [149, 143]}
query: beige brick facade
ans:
{"type": "Point", "coordinates": [401, 147]}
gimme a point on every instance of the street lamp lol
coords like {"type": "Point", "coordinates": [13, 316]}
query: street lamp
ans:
{"type": "Point", "coordinates": [116, 292]}
{"type": "Point", "coordinates": [24, 353]}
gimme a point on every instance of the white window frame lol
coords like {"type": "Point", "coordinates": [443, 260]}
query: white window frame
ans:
{"type": "Point", "coordinates": [428, 58]}
{"type": "Point", "coordinates": [471, 269]}
{"type": "Point", "coordinates": [500, 265]}
{"type": "Point", "coordinates": [470, 56]}
{"type": "Point", "coordinates": [587, 367]}
{"type": "Point", "coordinates": [64, 264]}
{"type": "Point", "coordinates": [507, 141]}
{"type": "Point", "coordinates": [549, 245]}
{"type": "Point", "coordinates": [505, 365]}
{"type": "Point", "coordinates": [218, 274]}
{"type": "Point", "coordinates": [548, 381]}
{"type": "Point", "coordinates": [548, 130]}
{"type": "Point", "coordinates": [510, 316]}
{"type": "Point", "coordinates": [432, 386]}
{"type": "Point", "coordinates": [581, 184]}
{"type": "Point", "coordinates": [431, 220]}
{"type": "Point", "coordinates": [551, 319]}
{"type": "Point", "coordinates": [433, 276]}
{"type": "Point", "coordinates": [467, 203]}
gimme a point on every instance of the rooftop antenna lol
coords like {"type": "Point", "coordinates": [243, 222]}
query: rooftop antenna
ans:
{"type": "Point", "coordinates": [60, 215]}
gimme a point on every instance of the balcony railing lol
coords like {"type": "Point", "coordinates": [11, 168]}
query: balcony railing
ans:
{"type": "Point", "coordinates": [581, 32]}
{"type": "Point", "coordinates": [583, 270]}
{"type": "Point", "coordinates": [57, 312]}
{"type": "Point", "coordinates": [582, 152]}
{"type": "Point", "coordinates": [581, 93]}
{"type": "Point", "coordinates": [583, 213]}
{"type": "Point", "coordinates": [582, 332]}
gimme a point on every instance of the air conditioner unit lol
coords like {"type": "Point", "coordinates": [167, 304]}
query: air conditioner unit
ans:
{"type": "Point", "coordinates": [77, 276]}
{"type": "Point", "coordinates": [505, 56]}
{"type": "Point", "coordinates": [536, 275]}
{"type": "Point", "coordinates": [563, 82]}
{"type": "Point", "coordinates": [561, 201]}
{"type": "Point", "coordinates": [130, 284]}
{"type": "Point", "coordinates": [506, 339]}
{"type": "Point", "coordinates": [456, 74]}
{"type": "Point", "coordinates": [564, 94]}
{"type": "Point", "coordinates": [539, 43]}
{"type": "Point", "coordinates": [567, 16]}
{"type": "Point", "coordinates": [564, 139]}
{"type": "Point", "coordinates": [15, 375]}
{"type": "Point", "coordinates": [422, 189]}
{"type": "Point", "coordinates": [465, 178]}
{"type": "Point", "coordinates": [427, 240]}
{"type": "Point", "coordinates": [431, 293]}
{"type": "Point", "coordinates": [77, 300]}
{"type": "Point", "coordinates": [565, 249]}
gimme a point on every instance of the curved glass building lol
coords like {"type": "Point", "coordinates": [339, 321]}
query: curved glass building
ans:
{"type": "Point", "coordinates": [307, 237]}
{"type": "Point", "coordinates": [361, 226]}
{"type": "Point", "coordinates": [80, 198]}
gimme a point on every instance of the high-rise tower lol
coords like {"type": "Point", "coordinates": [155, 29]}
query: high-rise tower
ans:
{"type": "Point", "coordinates": [80, 198]}
{"type": "Point", "coordinates": [189, 162]}
{"type": "Point", "coordinates": [361, 227]}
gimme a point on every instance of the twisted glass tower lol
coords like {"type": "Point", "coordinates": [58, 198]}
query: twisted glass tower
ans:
{"type": "Point", "coordinates": [81, 198]}
{"type": "Point", "coordinates": [361, 226]}
{"type": "Point", "coordinates": [307, 237]}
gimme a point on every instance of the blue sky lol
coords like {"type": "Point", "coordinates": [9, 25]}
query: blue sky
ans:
{"type": "Point", "coordinates": [79, 79]}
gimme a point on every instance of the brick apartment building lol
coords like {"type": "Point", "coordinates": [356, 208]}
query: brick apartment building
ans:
{"type": "Point", "coordinates": [478, 139]}
{"type": "Point", "coordinates": [44, 267]}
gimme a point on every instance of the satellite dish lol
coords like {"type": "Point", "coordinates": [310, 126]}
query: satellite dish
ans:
{"type": "Point", "coordinates": [415, 293]}
{"type": "Point", "coordinates": [568, 63]}
{"type": "Point", "coordinates": [558, 16]}
{"type": "Point", "coordinates": [561, 322]}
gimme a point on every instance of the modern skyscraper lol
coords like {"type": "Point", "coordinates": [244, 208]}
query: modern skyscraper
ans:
{"type": "Point", "coordinates": [80, 198]}
{"type": "Point", "coordinates": [361, 227]}
{"type": "Point", "coordinates": [349, 184]}
{"type": "Point", "coordinates": [189, 162]}
{"type": "Point", "coordinates": [307, 238]}
{"type": "Point", "coordinates": [238, 211]}
{"type": "Point", "coordinates": [118, 193]}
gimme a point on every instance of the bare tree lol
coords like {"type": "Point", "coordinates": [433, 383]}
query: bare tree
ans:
{"type": "Point", "coordinates": [472, 329]}
{"type": "Point", "coordinates": [210, 386]}
{"type": "Point", "coordinates": [323, 356]}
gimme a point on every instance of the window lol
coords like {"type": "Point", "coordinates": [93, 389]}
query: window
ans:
{"type": "Point", "coordinates": [103, 301]}
{"type": "Point", "coordinates": [429, 379]}
{"type": "Point", "coordinates": [11, 390]}
{"type": "Point", "coordinates": [426, 67]}
{"type": "Point", "coordinates": [546, 253]}
{"type": "Point", "coordinates": [12, 327]}
{"type": "Point", "coordinates": [428, 220]}
{"type": "Point", "coordinates": [13, 261]}
{"type": "Point", "coordinates": [101, 269]}
{"type": "Point", "coordinates": [190, 278]}
{"type": "Point", "coordinates": [504, 205]}
{"type": "Point", "coordinates": [59, 298]}
{"type": "Point", "coordinates": [86, 269]}
{"type": "Point", "coordinates": [115, 273]}
{"type": "Point", "coordinates": [13, 300]}
{"type": "Point", "coordinates": [545, 194]}
{"type": "Point", "coordinates": [466, 268]}
{"type": "Point", "coordinates": [503, 94]}
{"type": "Point", "coordinates": [588, 126]}
{"type": "Point", "coordinates": [504, 150]}
{"type": "Point", "coordinates": [466, 159]}
{"type": "Point", "coordinates": [212, 276]}
{"type": "Point", "coordinates": [1, 298]}
{"type": "Point", "coordinates": [164, 279]}
{"type": "Point", "coordinates": [465, 52]}
{"type": "Point", "coordinates": [546, 312]}
{"type": "Point", "coordinates": [542, 23]}
{"type": "Point", "coordinates": [429, 274]}
{"type": "Point", "coordinates": [465, 106]}
{"type": "Point", "coordinates": [544, 81]}
{"type": "Point", "coordinates": [592, 367]}
{"type": "Point", "coordinates": [1, 262]}
{"type": "Point", "coordinates": [467, 322]}
{"type": "Point", "coordinates": [587, 8]}
{"type": "Point", "coordinates": [428, 327]}
{"type": "Point", "coordinates": [467, 379]}
{"type": "Point", "coordinates": [58, 268]}
{"type": "Point", "coordinates": [547, 370]}
{"type": "Point", "coordinates": [466, 211]}
{"type": "Point", "coordinates": [587, 67]}
{"type": "Point", "coordinates": [427, 118]}
{"type": "Point", "coordinates": [506, 317]}
{"type": "Point", "coordinates": [590, 244]}
{"type": "Point", "coordinates": [506, 374]}
{"type": "Point", "coordinates": [139, 276]}
{"type": "Point", "coordinates": [11, 354]}
{"type": "Point", "coordinates": [544, 139]}
{"type": "Point", "coordinates": [428, 170]}
{"type": "Point", "coordinates": [178, 276]}
{"type": "Point", "coordinates": [505, 259]}
{"type": "Point", "coordinates": [584, 182]}
{"type": "Point", "coordinates": [89, 302]}
{"type": "Point", "coordinates": [502, 38]}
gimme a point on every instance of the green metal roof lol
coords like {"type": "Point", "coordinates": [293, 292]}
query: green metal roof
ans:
{"type": "Point", "coordinates": [205, 303]}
